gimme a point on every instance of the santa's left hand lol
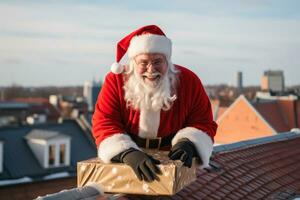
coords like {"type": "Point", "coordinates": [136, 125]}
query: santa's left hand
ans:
{"type": "Point", "coordinates": [184, 150]}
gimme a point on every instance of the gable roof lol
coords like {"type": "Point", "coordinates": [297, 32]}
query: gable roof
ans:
{"type": "Point", "coordinates": [241, 121]}
{"type": "Point", "coordinates": [40, 106]}
{"type": "Point", "coordinates": [44, 134]}
{"type": "Point", "coordinates": [19, 161]}
{"type": "Point", "coordinates": [281, 115]}
{"type": "Point", "coordinates": [243, 98]}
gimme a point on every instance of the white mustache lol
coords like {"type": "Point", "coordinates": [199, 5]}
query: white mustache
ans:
{"type": "Point", "coordinates": [151, 75]}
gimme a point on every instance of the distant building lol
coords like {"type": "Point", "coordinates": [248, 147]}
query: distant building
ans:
{"type": "Point", "coordinates": [40, 109]}
{"type": "Point", "coordinates": [263, 96]}
{"type": "Point", "coordinates": [219, 106]}
{"type": "Point", "coordinates": [2, 95]}
{"type": "Point", "coordinates": [36, 119]}
{"type": "Point", "coordinates": [72, 106]}
{"type": "Point", "coordinates": [272, 81]}
{"type": "Point", "coordinates": [245, 120]}
{"type": "Point", "coordinates": [239, 81]}
{"type": "Point", "coordinates": [27, 111]}
{"type": "Point", "coordinates": [13, 113]}
{"type": "Point", "coordinates": [90, 93]}
{"type": "Point", "coordinates": [55, 100]}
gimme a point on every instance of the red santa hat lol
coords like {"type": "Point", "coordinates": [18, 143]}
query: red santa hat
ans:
{"type": "Point", "coordinates": [147, 39]}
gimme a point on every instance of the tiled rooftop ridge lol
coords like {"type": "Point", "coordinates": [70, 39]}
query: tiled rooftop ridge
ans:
{"type": "Point", "coordinates": [248, 143]}
{"type": "Point", "coordinates": [270, 170]}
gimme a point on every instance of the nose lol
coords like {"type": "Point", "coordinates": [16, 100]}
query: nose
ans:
{"type": "Point", "coordinates": [151, 68]}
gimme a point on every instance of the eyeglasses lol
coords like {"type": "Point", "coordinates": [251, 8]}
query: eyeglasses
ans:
{"type": "Point", "coordinates": [156, 63]}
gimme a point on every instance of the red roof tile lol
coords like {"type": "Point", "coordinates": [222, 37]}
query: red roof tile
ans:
{"type": "Point", "coordinates": [287, 107]}
{"type": "Point", "coordinates": [272, 114]}
{"type": "Point", "coordinates": [282, 115]}
{"type": "Point", "coordinates": [265, 171]}
{"type": "Point", "coordinates": [298, 113]}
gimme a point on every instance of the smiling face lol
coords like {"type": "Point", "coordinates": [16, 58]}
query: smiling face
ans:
{"type": "Point", "coordinates": [151, 82]}
{"type": "Point", "coordinates": [151, 67]}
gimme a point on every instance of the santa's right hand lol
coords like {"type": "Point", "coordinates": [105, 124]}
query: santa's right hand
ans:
{"type": "Point", "coordinates": [144, 166]}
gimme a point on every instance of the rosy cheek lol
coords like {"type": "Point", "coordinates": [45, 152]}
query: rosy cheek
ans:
{"type": "Point", "coordinates": [140, 71]}
{"type": "Point", "coordinates": [163, 70]}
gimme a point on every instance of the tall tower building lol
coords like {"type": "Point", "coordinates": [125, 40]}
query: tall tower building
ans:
{"type": "Point", "coordinates": [239, 81]}
{"type": "Point", "coordinates": [90, 93]}
{"type": "Point", "coordinates": [273, 81]}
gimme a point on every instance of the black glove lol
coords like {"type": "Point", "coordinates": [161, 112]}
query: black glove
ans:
{"type": "Point", "coordinates": [184, 150]}
{"type": "Point", "coordinates": [142, 164]}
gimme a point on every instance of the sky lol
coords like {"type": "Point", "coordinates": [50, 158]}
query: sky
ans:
{"type": "Point", "coordinates": [68, 42]}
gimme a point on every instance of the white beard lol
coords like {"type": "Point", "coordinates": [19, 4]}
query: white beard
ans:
{"type": "Point", "coordinates": [150, 98]}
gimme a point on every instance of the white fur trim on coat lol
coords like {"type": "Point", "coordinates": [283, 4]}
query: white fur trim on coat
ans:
{"type": "Point", "coordinates": [113, 145]}
{"type": "Point", "coordinates": [200, 139]}
{"type": "Point", "coordinates": [150, 43]}
{"type": "Point", "coordinates": [149, 123]}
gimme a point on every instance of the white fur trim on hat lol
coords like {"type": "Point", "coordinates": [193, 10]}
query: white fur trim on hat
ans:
{"type": "Point", "coordinates": [200, 139]}
{"type": "Point", "coordinates": [117, 68]}
{"type": "Point", "coordinates": [150, 43]}
{"type": "Point", "coordinates": [113, 145]}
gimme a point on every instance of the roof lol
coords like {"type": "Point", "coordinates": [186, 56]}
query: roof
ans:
{"type": "Point", "coordinates": [32, 100]}
{"type": "Point", "coordinates": [280, 115]}
{"type": "Point", "coordinates": [44, 134]}
{"type": "Point", "coordinates": [19, 161]}
{"type": "Point", "coordinates": [283, 115]}
{"type": "Point", "coordinates": [40, 106]}
{"type": "Point", "coordinates": [13, 105]}
{"type": "Point", "coordinates": [272, 113]}
{"type": "Point", "coordinates": [241, 121]}
{"type": "Point", "coordinates": [266, 168]}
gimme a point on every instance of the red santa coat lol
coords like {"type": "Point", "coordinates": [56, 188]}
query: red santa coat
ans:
{"type": "Point", "coordinates": [189, 117]}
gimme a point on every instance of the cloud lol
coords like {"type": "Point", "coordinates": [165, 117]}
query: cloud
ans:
{"type": "Point", "coordinates": [83, 36]}
{"type": "Point", "coordinates": [11, 61]}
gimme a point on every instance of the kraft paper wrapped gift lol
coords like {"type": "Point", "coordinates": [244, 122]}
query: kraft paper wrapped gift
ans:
{"type": "Point", "coordinates": [120, 178]}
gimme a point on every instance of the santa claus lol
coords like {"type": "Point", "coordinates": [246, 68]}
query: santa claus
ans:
{"type": "Point", "coordinates": [152, 103]}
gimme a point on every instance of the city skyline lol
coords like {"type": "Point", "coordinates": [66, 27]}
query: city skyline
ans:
{"type": "Point", "coordinates": [69, 42]}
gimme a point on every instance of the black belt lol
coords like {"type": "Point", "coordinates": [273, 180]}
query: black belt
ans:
{"type": "Point", "coordinates": [152, 143]}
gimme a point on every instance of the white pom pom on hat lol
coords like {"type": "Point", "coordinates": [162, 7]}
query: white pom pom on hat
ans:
{"type": "Point", "coordinates": [116, 68]}
{"type": "Point", "coordinates": [148, 39]}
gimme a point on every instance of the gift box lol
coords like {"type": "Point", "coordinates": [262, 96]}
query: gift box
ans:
{"type": "Point", "coordinates": [120, 178]}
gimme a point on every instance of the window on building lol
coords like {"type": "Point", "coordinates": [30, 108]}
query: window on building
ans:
{"type": "Point", "coordinates": [51, 148]}
{"type": "Point", "coordinates": [62, 154]}
{"type": "Point", "coordinates": [51, 155]}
